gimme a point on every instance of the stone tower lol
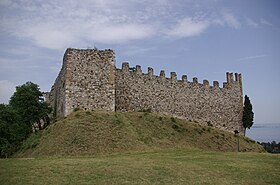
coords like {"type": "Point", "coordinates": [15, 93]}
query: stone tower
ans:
{"type": "Point", "coordinates": [86, 81]}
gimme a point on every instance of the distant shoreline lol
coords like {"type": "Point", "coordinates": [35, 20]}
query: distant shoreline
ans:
{"type": "Point", "coordinates": [264, 132]}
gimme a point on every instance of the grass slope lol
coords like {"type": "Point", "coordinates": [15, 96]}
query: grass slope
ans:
{"type": "Point", "coordinates": [87, 133]}
{"type": "Point", "coordinates": [161, 167]}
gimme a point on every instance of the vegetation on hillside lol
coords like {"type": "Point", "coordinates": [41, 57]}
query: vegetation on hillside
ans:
{"type": "Point", "coordinates": [94, 132]}
{"type": "Point", "coordinates": [272, 147]}
{"type": "Point", "coordinates": [24, 113]}
{"type": "Point", "coordinates": [11, 131]}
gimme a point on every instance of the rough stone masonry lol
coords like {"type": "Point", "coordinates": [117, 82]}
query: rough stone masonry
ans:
{"type": "Point", "coordinates": [89, 80]}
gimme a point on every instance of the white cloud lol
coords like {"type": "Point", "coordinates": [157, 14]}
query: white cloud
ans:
{"type": "Point", "coordinates": [57, 26]}
{"type": "Point", "coordinates": [120, 33]}
{"type": "Point", "coordinates": [7, 89]}
{"type": "Point", "coordinates": [230, 20]}
{"type": "Point", "coordinates": [188, 27]}
{"type": "Point", "coordinates": [264, 21]}
{"type": "Point", "coordinates": [50, 36]}
{"type": "Point", "coordinates": [251, 57]}
{"type": "Point", "coordinates": [224, 18]}
{"type": "Point", "coordinates": [252, 23]}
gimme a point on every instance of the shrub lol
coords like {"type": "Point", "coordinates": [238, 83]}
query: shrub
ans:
{"type": "Point", "coordinates": [146, 110]}
{"type": "Point", "coordinates": [118, 121]}
{"type": "Point", "coordinates": [31, 142]}
{"type": "Point", "coordinates": [76, 109]}
{"type": "Point", "coordinates": [77, 115]}
{"type": "Point", "coordinates": [209, 124]}
{"type": "Point", "coordinates": [198, 130]}
{"type": "Point", "coordinates": [178, 128]}
{"type": "Point", "coordinates": [175, 126]}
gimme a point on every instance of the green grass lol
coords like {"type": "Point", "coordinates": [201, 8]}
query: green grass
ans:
{"type": "Point", "coordinates": [162, 167]}
{"type": "Point", "coordinates": [137, 148]}
{"type": "Point", "coordinates": [88, 133]}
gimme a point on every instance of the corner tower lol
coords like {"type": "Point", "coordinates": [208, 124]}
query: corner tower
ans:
{"type": "Point", "coordinates": [86, 80]}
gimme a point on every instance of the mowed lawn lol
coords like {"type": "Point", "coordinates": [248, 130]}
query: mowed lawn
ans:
{"type": "Point", "coordinates": [161, 167]}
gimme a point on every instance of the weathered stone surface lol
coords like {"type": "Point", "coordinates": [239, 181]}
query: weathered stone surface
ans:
{"type": "Point", "coordinates": [86, 81]}
{"type": "Point", "coordinates": [220, 107]}
{"type": "Point", "coordinates": [89, 80]}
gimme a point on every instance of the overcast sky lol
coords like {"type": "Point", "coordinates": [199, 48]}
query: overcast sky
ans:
{"type": "Point", "coordinates": [203, 39]}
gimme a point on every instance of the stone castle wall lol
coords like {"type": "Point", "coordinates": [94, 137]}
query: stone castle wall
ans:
{"type": "Point", "coordinates": [57, 95]}
{"type": "Point", "coordinates": [86, 80]}
{"type": "Point", "coordinates": [220, 107]}
{"type": "Point", "coordinates": [89, 80]}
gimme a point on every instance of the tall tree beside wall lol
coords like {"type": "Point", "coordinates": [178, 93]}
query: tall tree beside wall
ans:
{"type": "Point", "coordinates": [248, 114]}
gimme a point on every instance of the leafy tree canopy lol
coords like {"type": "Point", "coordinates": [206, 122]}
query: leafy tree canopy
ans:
{"type": "Point", "coordinates": [28, 102]}
{"type": "Point", "coordinates": [11, 133]}
{"type": "Point", "coordinates": [25, 111]}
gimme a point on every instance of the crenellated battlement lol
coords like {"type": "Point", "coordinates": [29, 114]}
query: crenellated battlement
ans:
{"type": "Point", "coordinates": [89, 80]}
{"type": "Point", "coordinates": [230, 81]}
{"type": "Point", "coordinates": [205, 103]}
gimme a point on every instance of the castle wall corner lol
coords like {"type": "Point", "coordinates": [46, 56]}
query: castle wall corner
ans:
{"type": "Point", "coordinates": [86, 81]}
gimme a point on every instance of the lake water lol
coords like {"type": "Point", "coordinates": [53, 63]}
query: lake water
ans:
{"type": "Point", "coordinates": [264, 132]}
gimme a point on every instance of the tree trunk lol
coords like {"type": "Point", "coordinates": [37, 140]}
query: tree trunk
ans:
{"type": "Point", "coordinates": [34, 130]}
{"type": "Point", "coordinates": [39, 125]}
{"type": "Point", "coordinates": [48, 120]}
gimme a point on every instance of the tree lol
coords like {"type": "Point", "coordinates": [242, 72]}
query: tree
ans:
{"type": "Point", "coordinates": [11, 133]}
{"type": "Point", "coordinates": [248, 114]}
{"type": "Point", "coordinates": [28, 102]}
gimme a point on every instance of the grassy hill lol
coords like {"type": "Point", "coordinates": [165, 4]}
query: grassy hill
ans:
{"type": "Point", "coordinates": [87, 133]}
